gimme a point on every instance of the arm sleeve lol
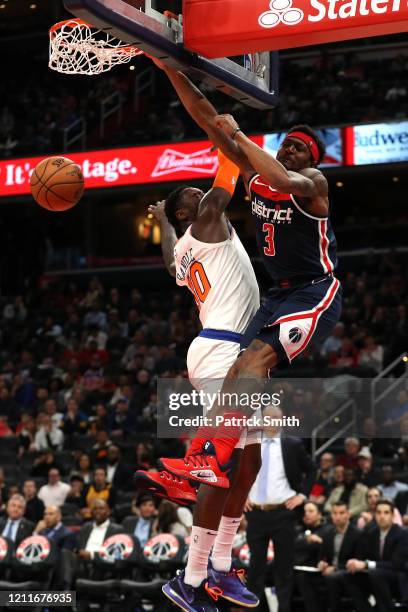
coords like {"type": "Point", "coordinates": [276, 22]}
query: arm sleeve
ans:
{"type": "Point", "coordinates": [227, 175]}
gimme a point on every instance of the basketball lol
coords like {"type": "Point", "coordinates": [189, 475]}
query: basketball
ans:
{"type": "Point", "coordinates": [57, 183]}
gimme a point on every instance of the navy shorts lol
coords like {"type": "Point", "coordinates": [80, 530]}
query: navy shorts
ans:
{"type": "Point", "coordinates": [291, 318]}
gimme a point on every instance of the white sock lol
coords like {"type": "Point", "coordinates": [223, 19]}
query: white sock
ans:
{"type": "Point", "coordinates": [221, 554]}
{"type": "Point", "coordinates": [201, 543]}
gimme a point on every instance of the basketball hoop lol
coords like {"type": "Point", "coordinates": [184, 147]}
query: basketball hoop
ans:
{"type": "Point", "coordinates": [78, 48]}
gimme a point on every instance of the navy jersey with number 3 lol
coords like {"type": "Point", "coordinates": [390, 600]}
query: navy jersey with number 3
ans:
{"type": "Point", "coordinates": [292, 242]}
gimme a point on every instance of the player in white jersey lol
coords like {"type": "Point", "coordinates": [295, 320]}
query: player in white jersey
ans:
{"type": "Point", "coordinates": [211, 261]}
{"type": "Point", "coordinates": [222, 280]}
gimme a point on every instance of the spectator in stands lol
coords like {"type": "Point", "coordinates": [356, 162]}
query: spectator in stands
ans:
{"type": "Point", "coordinates": [365, 473]}
{"type": "Point", "coordinates": [14, 526]}
{"type": "Point", "coordinates": [116, 343]}
{"type": "Point", "coordinates": [141, 524]}
{"type": "Point", "coordinates": [48, 435]}
{"type": "Point", "coordinates": [26, 433]}
{"type": "Point", "coordinates": [345, 357]}
{"type": "Point", "coordinates": [5, 430]}
{"type": "Point", "coordinates": [100, 448]}
{"type": "Point", "coordinates": [333, 343]}
{"type": "Point", "coordinates": [99, 489]}
{"type": "Point", "coordinates": [144, 456]}
{"type": "Point", "coordinates": [390, 487]}
{"type": "Point", "coordinates": [352, 493]}
{"type": "Point", "coordinates": [95, 317]}
{"type": "Point", "coordinates": [74, 421]}
{"type": "Point", "coordinates": [77, 495]}
{"type": "Point", "coordinates": [117, 472]}
{"type": "Point", "coordinates": [101, 418]}
{"type": "Point", "coordinates": [43, 463]}
{"type": "Point", "coordinates": [309, 538]}
{"type": "Point", "coordinates": [51, 408]}
{"type": "Point", "coordinates": [34, 510]}
{"type": "Point", "coordinates": [3, 491]}
{"type": "Point", "coordinates": [338, 543]}
{"type": "Point", "coordinates": [8, 406]}
{"type": "Point", "coordinates": [93, 378]}
{"type": "Point", "coordinates": [121, 420]}
{"type": "Point", "coordinates": [372, 355]}
{"type": "Point", "coordinates": [384, 552]}
{"type": "Point", "coordinates": [55, 492]}
{"type": "Point", "coordinates": [52, 527]}
{"type": "Point", "coordinates": [367, 518]}
{"type": "Point", "coordinates": [324, 482]}
{"type": "Point", "coordinates": [338, 475]}
{"type": "Point", "coordinates": [401, 502]}
{"type": "Point", "coordinates": [168, 520]}
{"type": "Point", "coordinates": [88, 541]}
{"type": "Point", "coordinates": [84, 468]}
{"type": "Point", "coordinates": [349, 459]}
{"type": "Point", "coordinates": [141, 391]}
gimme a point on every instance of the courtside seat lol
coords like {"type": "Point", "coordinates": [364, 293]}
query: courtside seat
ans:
{"type": "Point", "coordinates": [104, 592]}
{"type": "Point", "coordinates": [146, 592]}
{"type": "Point", "coordinates": [21, 587]}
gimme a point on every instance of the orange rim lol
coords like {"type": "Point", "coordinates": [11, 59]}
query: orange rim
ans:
{"type": "Point", "coordinates": [60, 24]}
{"type": "Point", "coordinates": [126, 49]}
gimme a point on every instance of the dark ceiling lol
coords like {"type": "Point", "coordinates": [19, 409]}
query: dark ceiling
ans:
{"type": "Point", "coordinates": [28, 17]}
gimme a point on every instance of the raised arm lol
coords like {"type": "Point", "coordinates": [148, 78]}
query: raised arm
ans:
{"type": "Point", "coordinates": [309, 183]}
{"type": "Point", "coordinates": [211, 224]}
{"type": "Point", "coordinates": [168, 236]}
{"type": "Point", "coordinates": [204, 114]}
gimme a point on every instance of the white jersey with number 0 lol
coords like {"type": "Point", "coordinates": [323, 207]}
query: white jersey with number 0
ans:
{"type": "Point", "coordinates": [221, 278]}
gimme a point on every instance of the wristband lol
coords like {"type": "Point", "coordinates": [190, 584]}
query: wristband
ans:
{"type": "Point", "coordinates": [235, 132]}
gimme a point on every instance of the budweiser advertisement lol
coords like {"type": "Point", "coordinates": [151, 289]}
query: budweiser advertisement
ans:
{"type": "Point", "coordinates": [239, 26]}
{"type": "Point", "coordinates": [378, 143]}
{"type": "Point", "coordinates": [117, 167]}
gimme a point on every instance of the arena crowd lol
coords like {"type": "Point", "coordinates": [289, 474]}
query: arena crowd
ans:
{"type": "Point", "coordinates": [78, 402]}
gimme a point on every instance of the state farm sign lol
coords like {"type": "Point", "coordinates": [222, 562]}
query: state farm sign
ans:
{"type": "Point", "coordinates": [239, 26]}
{"type": "Point", "coordinates": [117, 167]}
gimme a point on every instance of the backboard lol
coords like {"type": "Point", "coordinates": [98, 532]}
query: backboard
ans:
{"type": "Point", "coordinates": [253, 78]}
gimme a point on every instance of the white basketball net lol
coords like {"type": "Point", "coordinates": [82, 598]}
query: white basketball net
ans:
{"type": "Point", "coordinates": [77, 48]}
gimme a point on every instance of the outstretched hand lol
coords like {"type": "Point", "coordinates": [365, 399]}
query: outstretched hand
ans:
{"type": "Point", "coordinates": [158, 211]}
{"type": "Point", "coordinates": [227, 124]}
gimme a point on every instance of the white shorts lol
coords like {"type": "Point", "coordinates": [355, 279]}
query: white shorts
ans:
{"type": "Point", "coordinates": [208, 362]}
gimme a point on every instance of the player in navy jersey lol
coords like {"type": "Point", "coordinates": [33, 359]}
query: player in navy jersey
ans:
{"type": "Point", "coordinates": [290, 207]}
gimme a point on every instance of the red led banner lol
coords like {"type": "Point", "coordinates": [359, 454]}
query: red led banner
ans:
{"type": "Point", "coordinates": [238, 26]}
{"type": "Point", "coordinates": [118, 167]}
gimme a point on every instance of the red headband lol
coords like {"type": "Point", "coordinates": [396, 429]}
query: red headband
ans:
{"type": "Point", "coordinates": [309, 142]}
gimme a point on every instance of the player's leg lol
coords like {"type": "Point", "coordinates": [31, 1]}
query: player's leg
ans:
{"type": "Point", "coordinates": [211, 501]}
{"type": "Point", "coordinates": [282, 329]}
{"type": "Point", "coordinates": [206, 362]}
{"type": "Point", "coordinates": [222, 572]}
{"type": "Point", "coordinates": [209, 461]}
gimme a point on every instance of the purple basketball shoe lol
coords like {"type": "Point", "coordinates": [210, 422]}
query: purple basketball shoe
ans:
{"type": "Point", "coordinates": [232, 586]}
{"type": "Point", "coordinates": [190, 599]}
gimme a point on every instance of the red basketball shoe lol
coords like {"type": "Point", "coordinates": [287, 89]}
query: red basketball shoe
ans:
{"type": "Point", "coordinates": [203, 467]}
{"type": "Point", "coordinates": [164, 484]}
